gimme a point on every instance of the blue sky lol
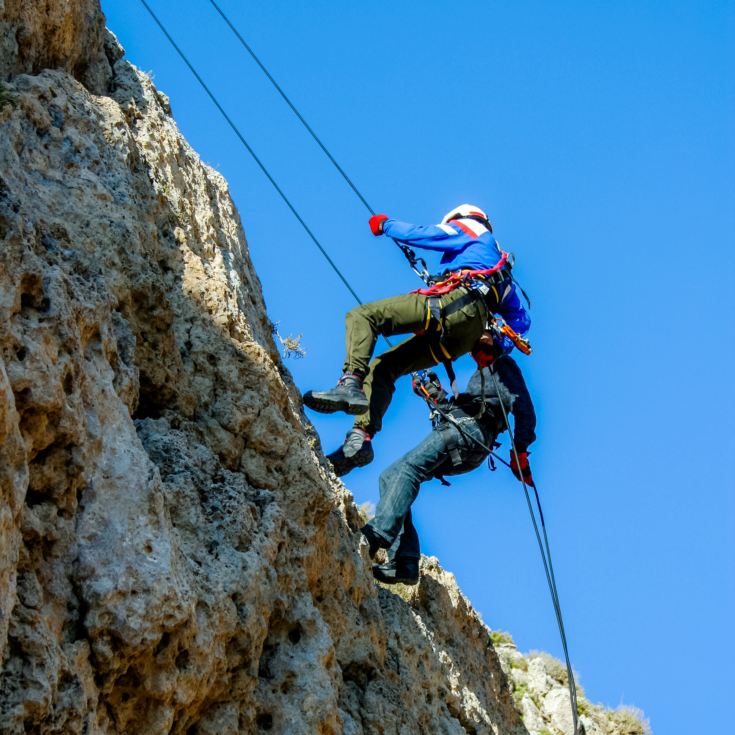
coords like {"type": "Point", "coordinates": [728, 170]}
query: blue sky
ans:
{"type": "Point", "coordinates": [599, 137]}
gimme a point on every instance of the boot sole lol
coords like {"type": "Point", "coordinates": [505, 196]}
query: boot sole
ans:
{"type": "Point", "coordinates": [322, 405]}
{"type": "Point", "coordinates": [409, 581]}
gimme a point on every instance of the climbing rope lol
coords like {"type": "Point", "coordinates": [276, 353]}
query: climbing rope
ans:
{"type": "Point", "coordinates": [546, 557]}
{"type": "Point", "coordinates": [418, 265]}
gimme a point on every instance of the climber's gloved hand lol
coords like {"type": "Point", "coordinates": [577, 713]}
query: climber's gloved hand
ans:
{"type": "Point", "coordinates": [521, 468]}
{"type": "Point", "coordinates": [376, 223]}
{"type": "Point", "coordinates": [427, 385]}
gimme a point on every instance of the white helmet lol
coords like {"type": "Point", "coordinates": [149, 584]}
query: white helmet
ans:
{"type": "Point", "coordinates": [467, 210]}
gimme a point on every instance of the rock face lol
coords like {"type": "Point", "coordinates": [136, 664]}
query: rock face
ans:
{"type": "Point", "coordinates": [63, 34]}
{"type": "Point", "coordinates": [175, 556]}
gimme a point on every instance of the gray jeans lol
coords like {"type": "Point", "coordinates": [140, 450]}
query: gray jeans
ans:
{"type": "Point", "coordinates": [444, 452]}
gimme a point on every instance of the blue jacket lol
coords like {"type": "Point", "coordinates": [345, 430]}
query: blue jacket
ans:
{"type": "Point", "coordinates": [465, 243]}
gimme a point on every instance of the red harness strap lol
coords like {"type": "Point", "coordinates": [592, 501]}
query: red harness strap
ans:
{"type": "Point", "coordinates": [458, 278]}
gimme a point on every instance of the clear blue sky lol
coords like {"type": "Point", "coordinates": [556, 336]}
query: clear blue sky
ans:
{"type": "Point", "coordinates": [599, 136]}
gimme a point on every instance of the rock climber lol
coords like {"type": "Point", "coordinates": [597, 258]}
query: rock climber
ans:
{"type": "Point", "coordinates": [452, 448]}
{"type": "Point", "coordinates": [445, 320]}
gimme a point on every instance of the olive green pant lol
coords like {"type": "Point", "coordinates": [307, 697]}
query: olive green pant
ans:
{"type": "Point", "coordinates": [403, 315]}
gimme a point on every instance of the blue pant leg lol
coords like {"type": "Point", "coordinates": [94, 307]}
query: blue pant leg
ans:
{"type": "Point", "coordinates": [406, 545]}
{"type": "Point", "coordinates": [399, 484]}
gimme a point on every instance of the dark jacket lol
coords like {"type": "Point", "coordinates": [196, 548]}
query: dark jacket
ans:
{"type": "Point", "coordinates": [512, 391]}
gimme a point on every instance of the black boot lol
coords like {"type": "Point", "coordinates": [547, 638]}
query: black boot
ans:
{"type": "Point", "coordinates": [347, 396]}
{"type": "Point", "coordinates": [357, 451]}
{"type": "Point", "coordinates": [375, 540]}
{"type": "Point", "coordinates": [398, 571]}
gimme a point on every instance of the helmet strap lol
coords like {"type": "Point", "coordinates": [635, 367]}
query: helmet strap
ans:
{"type": "Point", "coordinates": [482, 220]}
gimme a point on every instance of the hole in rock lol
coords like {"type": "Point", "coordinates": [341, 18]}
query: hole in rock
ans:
{"type": "Point", "coordinates": [31, 293]}
{"type": "Point", "coordinates": [182, 660]}
{"type": "Point", "coordinates": [149, 400]}
{"type": "Point", "coordinates": [294, 634]}
{"type": "Point", "coordinates": [22, 396]}
{"type": "Point", "coordinates": [264, 721]}
{"type": "Point", "coordinates": [163, 643]}
{"type": "Point", "coordinates": [34, 498]}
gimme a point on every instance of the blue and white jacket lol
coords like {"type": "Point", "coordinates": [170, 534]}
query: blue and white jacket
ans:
{"type": "Point", "coordinates": [465, 243]}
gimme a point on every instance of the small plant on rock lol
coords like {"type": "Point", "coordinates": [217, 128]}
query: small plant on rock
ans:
{"type": "Point", "coordinates": [501, 638]}
{"type": "Point", "coordinates": [519, 691]}
{"type": "Point", "coordinates": [630, 721]}
{"type": "Point", "coordinates": [291, 345]}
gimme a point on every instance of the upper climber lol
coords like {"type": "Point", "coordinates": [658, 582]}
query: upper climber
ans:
{"type": "Point", "coordinates": [445, 322]}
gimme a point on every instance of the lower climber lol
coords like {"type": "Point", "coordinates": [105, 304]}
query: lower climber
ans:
{"type": "Point", "coordinates": [452, 448]}
{"type": "Point", "coordinates": [445, 324]}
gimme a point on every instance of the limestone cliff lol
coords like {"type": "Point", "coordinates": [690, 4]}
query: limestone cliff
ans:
{"type": "Point", "coordinates": [175, 555]}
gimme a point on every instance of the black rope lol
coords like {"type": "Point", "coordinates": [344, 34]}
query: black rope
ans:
{"type": "Point", "coordinates": [249, 149]}
{"type": "Point", "coordinates": [546, 557]}
{"type": "Point", "coordinates": [418, 265]}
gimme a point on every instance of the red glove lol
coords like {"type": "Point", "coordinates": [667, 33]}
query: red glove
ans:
{"type": "Point", "coordinates": [524, 471]}
{"type": "Point", "coordinates": [376, 223]}
{"type": "Point", "coordinates": [485, 350]}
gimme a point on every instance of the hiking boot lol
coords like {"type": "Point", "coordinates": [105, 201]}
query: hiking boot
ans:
{"type": "Point", "coordinates": [357, 451]}
{"type": "Point", "coordinates": [397, 571]}
{"type": "Point", "coordinates": [347, 396]}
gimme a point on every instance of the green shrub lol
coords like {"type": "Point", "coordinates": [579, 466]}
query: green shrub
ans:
{"type": "Point", "coordinates": [501, 638]}
{"type": "Point", "coordinates": [519, 691]}
{"type": "Point", "coordinates": [583, 706]}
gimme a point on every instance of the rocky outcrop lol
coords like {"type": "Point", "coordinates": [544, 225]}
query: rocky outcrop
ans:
{"type": "Point", "coordinates": [68, 35]}
{"type": "Point", "coordinates": [540, 686]}
{"type": "Point", "coordinates": [175, 555]}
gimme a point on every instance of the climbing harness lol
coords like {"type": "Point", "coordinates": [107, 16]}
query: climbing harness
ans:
{"type": "Point", "coordinates": [469, 278]}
